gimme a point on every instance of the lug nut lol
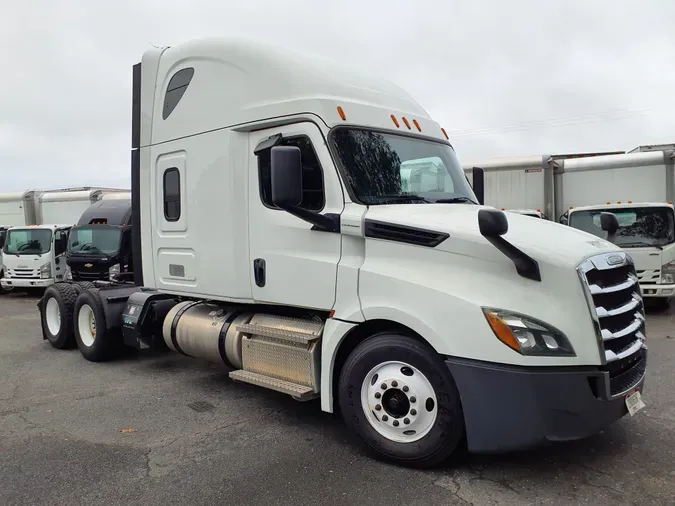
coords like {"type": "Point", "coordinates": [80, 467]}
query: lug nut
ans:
{"type": "Point", "coordinates": [413, 399]}
{"type": "Point", "coordinates": [383, 386]}
{"type": "Point", "coordinates": [378, 395]}
{"type": "Point", "coordinates": [385, 418]}
{"type": "Point", "coordinates": [395, 423]}
{"type": "Point", "coordinates": [378, 407]}
{"type": "Point", "coordinates": [413, 412]}
{"type": "Point", "coordinates": [405, 389]}
{"type": "Point", "coordinates": [406, 421]}
{"type": "Point", "coordinates": [394, 384]}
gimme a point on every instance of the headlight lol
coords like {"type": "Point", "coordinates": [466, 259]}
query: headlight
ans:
{"type": "Point", "coordinates": [113, 271]}
{"type": "Point", "coordinates": [528, 336]}
{"type": "Point", "coordinates": [46, 270]}
{"type": "Point", "coordinates": [668, 273]}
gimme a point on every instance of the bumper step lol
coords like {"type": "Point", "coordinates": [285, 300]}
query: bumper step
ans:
{"type": "Point", "coordinates": [299, 392]}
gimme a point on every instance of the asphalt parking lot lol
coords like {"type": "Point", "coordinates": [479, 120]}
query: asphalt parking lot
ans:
{"type": "Point", "coordinates": [165, 429]}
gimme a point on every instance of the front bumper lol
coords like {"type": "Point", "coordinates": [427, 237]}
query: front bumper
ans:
{"type": "Point", "coordinates": [509, 408]}
{"type": "Point", "coordinates": [654, 290]}
{"type": "Point", "coordinates": [25, 283]}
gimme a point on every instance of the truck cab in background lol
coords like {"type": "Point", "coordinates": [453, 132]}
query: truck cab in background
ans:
{"type": "Point", "coordinates": [99, 246]}
{"type": "Point", "coordinates": [3, 234]}
{"type": "Point", "coordinates": [34, 256]}
{"type": "Point", "coordinates": [647, 232]}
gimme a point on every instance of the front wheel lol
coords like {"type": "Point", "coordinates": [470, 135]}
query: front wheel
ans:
{"type": "Point", "coordinates": [398, 395]}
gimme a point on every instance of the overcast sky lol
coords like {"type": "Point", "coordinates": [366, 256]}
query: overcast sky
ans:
{"type": "Point", "coordinates": [505, 78]}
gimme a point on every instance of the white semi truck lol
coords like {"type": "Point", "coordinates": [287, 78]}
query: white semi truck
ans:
{"type": "Point", "coordinates": [272, 234]}
{"type": "Point", "coordinates": [575, 189]}
{"type": "Point", "coordinates": [33, 255]}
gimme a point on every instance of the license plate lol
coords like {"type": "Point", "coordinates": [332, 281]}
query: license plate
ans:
{"type": "Point", "coordinates": [634, 402]}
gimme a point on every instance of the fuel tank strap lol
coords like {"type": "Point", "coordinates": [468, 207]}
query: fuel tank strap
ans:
{"type": "Point", "coordinates": [223, 333]}
{"type": "Point", "coordinates": [174, 326]}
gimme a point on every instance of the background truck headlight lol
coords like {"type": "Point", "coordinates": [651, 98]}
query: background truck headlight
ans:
{"type": "Point", "coordinates": [668, 273]}
{"type": "Point", "coordinates": [46, 270]}
{"type": "Point", "coordinates": [527, 335]}
{"type": "Point", "coordinates": [113, 271]}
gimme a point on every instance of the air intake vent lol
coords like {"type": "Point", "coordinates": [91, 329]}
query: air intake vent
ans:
{"type": "Point", "coordinates": [405, 234]}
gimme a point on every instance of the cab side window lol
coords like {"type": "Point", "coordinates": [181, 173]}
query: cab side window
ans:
{"type": "Point", "coordinates": [313, 196]}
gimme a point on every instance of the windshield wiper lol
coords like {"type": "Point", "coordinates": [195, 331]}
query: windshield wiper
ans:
{"type": "Point", "coordinates": [639, 244]}
{"type": "Point", "coordinates": [400, 198]}
{"type": "Point", "coordinates": [454, 200]}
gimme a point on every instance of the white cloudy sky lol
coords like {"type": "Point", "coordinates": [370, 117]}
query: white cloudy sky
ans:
{"type": "Point", "coordinates": [504, 77]}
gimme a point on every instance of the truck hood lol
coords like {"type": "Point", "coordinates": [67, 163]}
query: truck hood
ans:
{"type": "Point", "coordinates": [543, 240]}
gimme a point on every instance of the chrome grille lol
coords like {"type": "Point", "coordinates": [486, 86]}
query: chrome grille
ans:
{"type": "Point", "coordinates": [24, 273]}
{"type": "Point", "coordinates": [649, 276]}
{"type": "Point", "coordinates": [612, 288]}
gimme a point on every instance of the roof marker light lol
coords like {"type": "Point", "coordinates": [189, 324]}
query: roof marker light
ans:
{"type": "Point", "coordinates": [608, 203]}
{"type": "Point", "coordinates": [405, 120]}
{"type": "Point", "coordinates": [445, 133]}
{"type": "Point", "coordinates": [630, 201]}
{"type": "Point", "coordinates": [341, 112]}
{"type": "Point", "coordinates": [393, 118]}
{"type": "Point", "coordinates": [417, 125]}
{"type": "Point", "coordinates": [618, 202]}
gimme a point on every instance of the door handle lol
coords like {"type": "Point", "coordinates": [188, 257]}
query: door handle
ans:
{"type": "Point", "coordinates": [259, 271]}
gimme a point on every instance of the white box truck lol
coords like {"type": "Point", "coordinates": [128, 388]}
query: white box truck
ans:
{"type": "Point", "coordinates": [33, 256]}
{"type": "Point", "coordinates": [638, 188]}
{"type": "Point", "coordinates": [272, 234]}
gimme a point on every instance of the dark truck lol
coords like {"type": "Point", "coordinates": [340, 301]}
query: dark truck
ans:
{"type": "Point", "coordinates": [99, 246]}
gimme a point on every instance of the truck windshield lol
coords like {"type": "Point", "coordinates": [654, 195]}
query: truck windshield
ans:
{"type": "Point", "coordinates": [383, 168]}
{"type": "Point", "coordinates": [94, 240]}
{"type": "Point", "coordinates": [638, 227]}
{"type": "Point", "coordinates": [28, 241]}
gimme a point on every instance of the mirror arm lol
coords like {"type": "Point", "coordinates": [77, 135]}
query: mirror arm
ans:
{"type": "Point", "coordinates": [322, 222]}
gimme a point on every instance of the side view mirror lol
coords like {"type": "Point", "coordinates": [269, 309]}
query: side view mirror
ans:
{"type": "Point", "coordinates": [492, 223]}
{"type": "Point", "coordinates": [610, 224]}
{"type": "Point", "coordinates": [286, 169]}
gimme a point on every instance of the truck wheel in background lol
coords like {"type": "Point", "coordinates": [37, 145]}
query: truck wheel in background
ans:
{"type": "Point", "coordinates": [399, 396]}
{"type": "Point", "coordinates": [96, 342]}
{"type": "Point", "coordinates": [81, 286]}
{"type": "Point", "coordinates": [56, 315]}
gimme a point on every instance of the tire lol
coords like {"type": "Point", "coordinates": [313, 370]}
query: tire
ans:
{"type": "Point", "coordinates": [56, 315]}
{"type": "Point", "coordinates": [96, 342]}
{"type": "Point", "coordinates": [439, 432]}
{"type": "Point", "coordinates": [81, 286]}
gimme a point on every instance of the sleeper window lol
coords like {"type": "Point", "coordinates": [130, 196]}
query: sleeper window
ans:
{"type": "Point", "coordinates": [172, 194]}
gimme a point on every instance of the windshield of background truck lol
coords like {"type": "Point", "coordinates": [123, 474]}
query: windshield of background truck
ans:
{"type": "Point", "coordinates": [97, 241]}
{"type": "Point", "coordinates": [28, 242]}
{"type": "Point", "coordinates": [638, 227]}
{"type": "Point", "coordinates": [384, 168]}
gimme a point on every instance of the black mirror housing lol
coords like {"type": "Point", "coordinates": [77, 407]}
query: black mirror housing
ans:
{"type": "Point", "coordinates": [286, 172]}
{"type": "Point", "coordinates": [478, 184]}
{"type": "Point", "coordinates": [609, 223]}
{"type": "Point", "coordinates": [492, 223]}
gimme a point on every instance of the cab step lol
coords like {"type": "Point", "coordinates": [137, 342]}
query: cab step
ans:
{"type": "Point", "coordinates": [286, 329]}
{"type": "Point", "coordinates": [298, 392]}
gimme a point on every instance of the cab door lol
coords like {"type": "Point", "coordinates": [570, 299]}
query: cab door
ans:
{"type": "Point", "coordinates": [290, 263]}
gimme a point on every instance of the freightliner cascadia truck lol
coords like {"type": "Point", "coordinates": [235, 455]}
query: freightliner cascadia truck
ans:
{"type": "Point", "coordinates": [274, 235]}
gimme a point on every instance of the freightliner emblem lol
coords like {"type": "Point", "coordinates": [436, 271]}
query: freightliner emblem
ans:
{"type": "Point", "coordinates": [614, 259]}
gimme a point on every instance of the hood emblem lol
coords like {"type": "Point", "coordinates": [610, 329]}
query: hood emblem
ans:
{"type": "Point", "coordinates": [614, 259]}
{"type": "Point", "coordinates": [88, 266]}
